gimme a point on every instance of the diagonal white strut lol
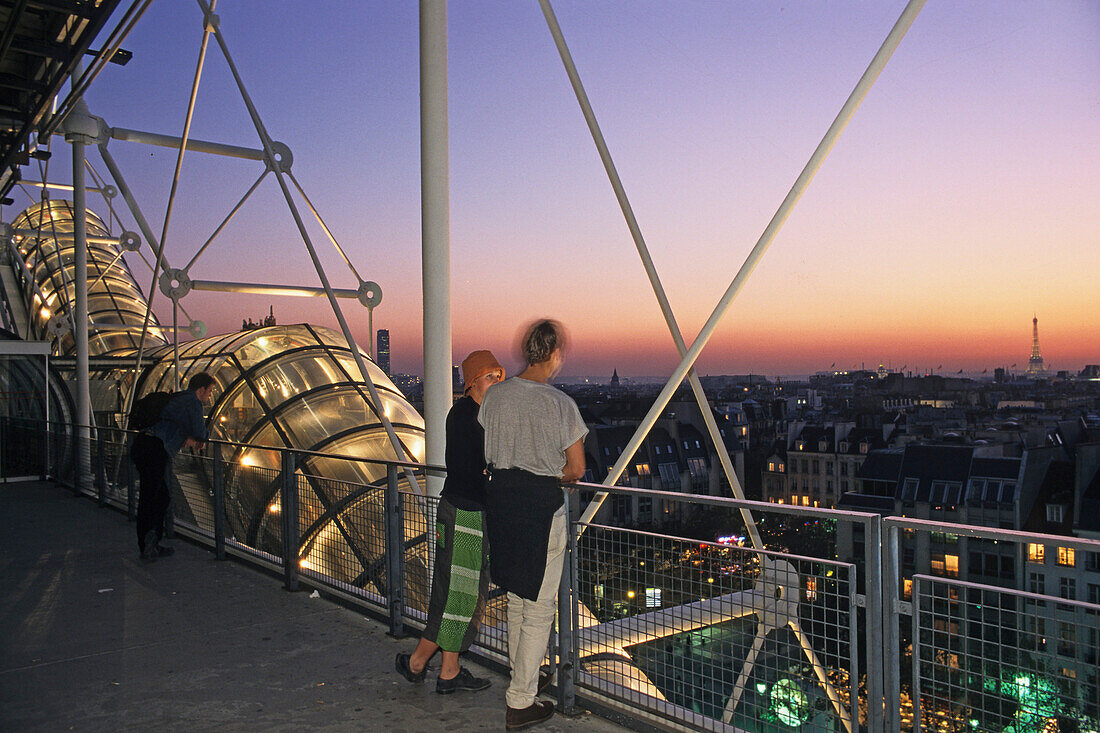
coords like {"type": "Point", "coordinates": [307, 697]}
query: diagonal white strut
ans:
{"type": "Point", "coordinates": [688, 357]}
{"type": "Point", "coordinates": [904, 22]}
{"type": "Point", "coordinates": [654, 281]}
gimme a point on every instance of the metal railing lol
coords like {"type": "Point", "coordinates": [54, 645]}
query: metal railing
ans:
{"type": "Point", "coordinates": [809, 634]}
{"type": "Point", "coordinates": [1018, 652]}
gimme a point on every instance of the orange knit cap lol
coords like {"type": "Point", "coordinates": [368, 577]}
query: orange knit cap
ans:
{"type": "Point", "coordinates": [478, 364]}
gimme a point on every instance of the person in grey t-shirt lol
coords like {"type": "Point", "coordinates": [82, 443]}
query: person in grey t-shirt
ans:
{"type": "Point", "coordinates": [533, 441]}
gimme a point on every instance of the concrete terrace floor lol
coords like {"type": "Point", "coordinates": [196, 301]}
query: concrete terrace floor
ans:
{"type": "Point", "coordinates": [91, 639]}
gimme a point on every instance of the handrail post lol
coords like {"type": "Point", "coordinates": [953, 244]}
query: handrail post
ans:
{"type": "Point", "coordinates": [219, 501]}
{"type": "Point", "coordinates": [892, 624]}
{"type": "Point", "coordinates": [131, 496]}
{"type": "Point", "coordinates": [47, 438]}
{"type": "Point", "coordinates": [76, 457]}
{"type": "Point", "coordinates": [101, 467]}
{"type": "Point", "coordinates": [289, 502]}
{"type": "Point", "coordinates": [567, 614]}
{"type": "Point", "coordinates": [395, 555]}
{"type": "Point", "coordinates": [876, 654]}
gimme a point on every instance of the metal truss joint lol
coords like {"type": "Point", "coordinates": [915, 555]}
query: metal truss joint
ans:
{"type": "Point", "coordinates": [58, 325]}
{"type": "Point", "coordinates": [175, 283]}
{"type": "Point", "coordinates": [284, 159]}
{"type": "Point", "coordinates": [129, 241]}
{"type": "Point", "coordinates": [369, 293]}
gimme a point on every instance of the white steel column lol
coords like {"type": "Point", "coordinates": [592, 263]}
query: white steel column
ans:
{"type": "Point", "coordinates": [79, 129]}
{"type": "Point", "coordinates": [435, 232]}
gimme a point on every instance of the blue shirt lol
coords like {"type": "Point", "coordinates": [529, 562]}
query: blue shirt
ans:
{"type": "Point", "coordinates": [181, 419]}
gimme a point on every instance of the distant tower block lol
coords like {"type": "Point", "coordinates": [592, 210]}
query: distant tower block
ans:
{"type": "Point", "coordinates": [382, 353]}
{"type": "Point", "coordinates": [1035, 363]}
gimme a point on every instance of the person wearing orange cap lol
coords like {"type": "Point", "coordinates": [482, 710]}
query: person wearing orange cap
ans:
{"type": "Point", "coordinates": [460, 580]}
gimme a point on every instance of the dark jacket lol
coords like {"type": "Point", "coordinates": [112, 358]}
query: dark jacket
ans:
{"type": "Point", "coordinates": [464, 486]}
{"type": "Point", "coordinates": [181, 419]}
{"type": "Point", "coordinates": [519, 509]}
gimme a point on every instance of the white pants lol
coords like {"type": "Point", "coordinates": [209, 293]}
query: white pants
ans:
{"type": "Point", "coordinates": [529, 622]}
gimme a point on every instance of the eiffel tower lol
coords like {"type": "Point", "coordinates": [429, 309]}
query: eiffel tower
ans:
{"type": "Point", "coordinates": [1035, 363]}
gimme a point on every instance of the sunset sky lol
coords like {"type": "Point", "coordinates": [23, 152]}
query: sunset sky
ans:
{"type": "Point", "coordinates": [960, 201]}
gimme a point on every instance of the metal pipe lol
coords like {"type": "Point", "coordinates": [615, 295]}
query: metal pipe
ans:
{"type": "Point", "coordinates": [300, 291]}
{"type": "Point", "coordinates": [891, 623]}
{"type": "Point", "coordinates": [199, 146]}
{"type": "Point", "coordinates": [80, 312]}
{"type": "Point", "coordinates": [435, 231]}
{"type": "Point", "coordinates": [801, 183]}
{"type": "Point", "coordinates": [654, 281]}
{"type": "Point", "coordinates": [395, 555]}
{"type": "Point", "coordinates": [175, 186]}
{"type": "Point", "coordinates": [118, 327]}
{"type": "Point", "coordinates": [58, 186]}
{"type": "Point", "coordinates": [288, 502]}
{"type": "Point", "coordinates": [876, 659]}
{"type": "Point", "coordinates": [175, 345]}
{"type": "Point", "coordinates": [271, 157]}
{"type": "Point", "coordinates": [132, 205]}
{"type": "Point", "coordinates": [154, 243]}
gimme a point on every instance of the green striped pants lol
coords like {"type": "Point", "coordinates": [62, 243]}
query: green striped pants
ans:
{"type": "Point", "coordinates": [460, 580]}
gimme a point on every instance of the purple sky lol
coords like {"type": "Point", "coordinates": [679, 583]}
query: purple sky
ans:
{"type": "Point", "coordinates": [960, 201]}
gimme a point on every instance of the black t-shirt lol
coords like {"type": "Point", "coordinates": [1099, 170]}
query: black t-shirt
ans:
{"type": "Point", "coordinates": [465, 483]}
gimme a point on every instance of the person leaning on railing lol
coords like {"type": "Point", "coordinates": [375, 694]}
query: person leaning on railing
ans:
{"type": "Point", "coordinates": [459, 581]}
{"type": "Point", "coordinates": [533, 441]}
{"type": "Point", "coordinates": [181, 425]}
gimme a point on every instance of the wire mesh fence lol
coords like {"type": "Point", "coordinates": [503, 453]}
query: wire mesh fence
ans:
{"type": "Point", "coordinates": [721, 634]}
{"type": "Point", "coordinates": [697, 633]}
{"type": "Point", "coordinates": [997, 660]}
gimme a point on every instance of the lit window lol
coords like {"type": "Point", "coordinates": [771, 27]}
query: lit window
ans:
{"type": "Point", "coordinates": [642, 469]}
{"type": "Point", "coordinates": [1036, 552]}
{"type": "Point", "coordinates": [945, 565]}
{"type": "Point", "coordinates": [771, 466]}
{"type": "Point", "coordinates": [907, 588]}
{"type": "Point", "coordinates": [1067, 556]}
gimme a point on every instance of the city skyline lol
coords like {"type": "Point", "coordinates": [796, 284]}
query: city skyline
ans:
{"type": "Point", "coordinates": [957, 204]}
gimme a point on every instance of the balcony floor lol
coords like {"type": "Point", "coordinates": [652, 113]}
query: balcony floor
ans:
{"type": "Point", "coordinates": [95, 640]}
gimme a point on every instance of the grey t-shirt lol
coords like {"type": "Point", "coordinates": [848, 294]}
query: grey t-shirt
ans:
{"type": "Point", "coordinates": [529, 425]}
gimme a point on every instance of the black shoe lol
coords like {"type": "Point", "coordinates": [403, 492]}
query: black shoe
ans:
{"type": "Point", "coordinates": [165, 551]}
{"type": "Point", "coordinates": [537, 712]}
{"type": "Point", "coordinates": [401, 663]}
{"type": "Point", "coordinates": [461, 681]}
{"type": "Point", "coordinates": [148, 551]}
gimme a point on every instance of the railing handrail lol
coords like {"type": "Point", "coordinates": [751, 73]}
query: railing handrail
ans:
{"type": "Point", "coordinates": [993, 533]}
{"type": "Point", "coordinates": [254, 446]}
